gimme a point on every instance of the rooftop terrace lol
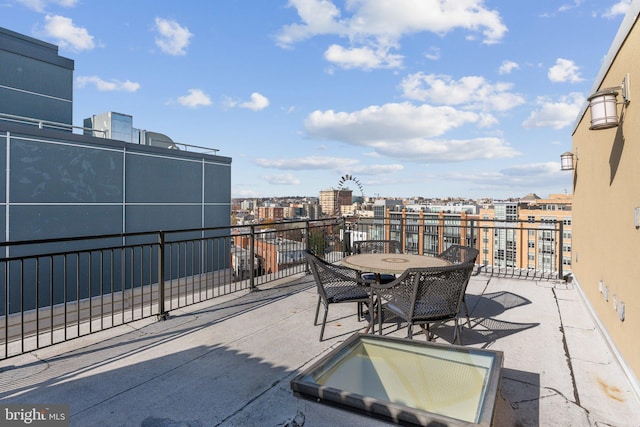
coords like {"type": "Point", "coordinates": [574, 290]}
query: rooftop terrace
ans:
{"type": "Point", "coordinates": [229, 361]}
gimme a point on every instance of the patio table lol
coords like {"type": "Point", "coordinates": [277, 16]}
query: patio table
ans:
{"type": "Point", "coordinates": [391, 263]}
{"type": "Point", "coordinates": [388, 263]}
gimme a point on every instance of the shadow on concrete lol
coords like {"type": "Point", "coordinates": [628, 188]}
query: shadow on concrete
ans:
{"type": "Point", "coordinates": [520, 405]}
{"type": "Point", "coordinates": [200, 386]}
{"type": "Point", "coordinates": [484, 328]}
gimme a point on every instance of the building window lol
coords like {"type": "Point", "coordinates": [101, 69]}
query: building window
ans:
{"type": "Point", "coordinates": [566, 221]}
{"type": "Point", "coordinates": [531, 218]}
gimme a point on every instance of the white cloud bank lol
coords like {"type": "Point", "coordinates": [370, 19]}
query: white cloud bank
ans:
{"type": "Point", "coordinates": [408, 132]}
{"type": "Point", "coordinates": [107, 86]}
{"type": "Point", "coordinates": [374, 28]}
{"type": "Point", "coordinates": [555, 114]}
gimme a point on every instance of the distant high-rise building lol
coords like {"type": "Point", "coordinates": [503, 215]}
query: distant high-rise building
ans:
{"type": "Point", "coordinates": [271, 213]}
{"type": "Point", "coordinates": [521, 234]}
{"type": "Point", "coordinates": [331, 201]}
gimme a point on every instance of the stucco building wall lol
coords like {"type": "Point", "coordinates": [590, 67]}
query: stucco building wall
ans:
{"type": "Point", "coordinates": [606, 192]}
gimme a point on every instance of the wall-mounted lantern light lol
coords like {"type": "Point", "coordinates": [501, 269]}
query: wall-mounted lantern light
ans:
{"type": "Point", "coordinates": [566, 161]}
{"type": "Point", "coordinates": [603, 105]}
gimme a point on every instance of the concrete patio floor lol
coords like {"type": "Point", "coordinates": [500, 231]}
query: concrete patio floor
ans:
{"type": "Point", "coordinates": [229, 362]}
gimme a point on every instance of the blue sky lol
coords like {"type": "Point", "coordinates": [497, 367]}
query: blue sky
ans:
{"type": "Point", "coordinates": [432, 98]}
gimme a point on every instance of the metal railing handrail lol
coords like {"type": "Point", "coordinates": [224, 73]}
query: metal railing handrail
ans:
{"type": "Point", "coordinates": [46, 123]}
{"type": "Point", "coordinates": [53, 290]}
{"type": "Point", "coordinates": [42, 124]}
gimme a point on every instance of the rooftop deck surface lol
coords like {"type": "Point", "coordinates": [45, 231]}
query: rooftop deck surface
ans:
{"type": "Point", "coordinates": [229, 362]}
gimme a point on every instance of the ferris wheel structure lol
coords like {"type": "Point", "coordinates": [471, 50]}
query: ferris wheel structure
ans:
{"type": "Point", "coordinates": [343, 185]}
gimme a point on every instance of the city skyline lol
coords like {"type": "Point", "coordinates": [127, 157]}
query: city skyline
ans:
{"type": "Point", "coordinates": [473, 99]}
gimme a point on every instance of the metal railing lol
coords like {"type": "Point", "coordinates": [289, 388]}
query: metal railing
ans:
{"type": "Point", "coordinates": [99, 133]}
{"type": "Point", "coordinates": [527, 249]}
{"type": "Point", "coordinates": [56, 290]}
{"type": "Point", "coordinates": [46, 124]}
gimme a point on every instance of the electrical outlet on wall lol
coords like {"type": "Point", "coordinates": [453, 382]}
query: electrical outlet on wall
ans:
{"type": "Point", "coordinates": [600, 286]}
{"type": "Point", "coordinates": [606, 293]}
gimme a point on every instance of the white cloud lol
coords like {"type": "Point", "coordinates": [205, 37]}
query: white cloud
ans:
{"type": "Point", "coordinates": [526, 176]}
{"type": "Point", "coordinates": [471, 92]}
{"type": "Point", "coordinates": [555, 114]}
{"type": "Point", "coordinates": [373, 28]}
{"type": "Point", "coordinates": [341, 164]}
{"type": "Point", "coordinates": [507, 67]}
{"type": "Point", "coordinates": [308, 163]}
{"type": "Point", "coordinates": [433, 54]}
{"type": "Point", "coordinates": [363, 57]}
{"type": "Point", "coordinates": [196, 98]}
{"type": "Point", "coordinates": [108, 86]}
{"type": "Point", "coordinates": [68, 35]}
{"type": "Point", "coordinates": [282, 179]}
{"type": "Point", "coordinates": [41, 5]}
{"type": "Point", "coordinates": [389, 121]}
{"type": "Point", "coordinates": [422, 150]}
{"type": "Point", "coordinates": [569, 6]}
{"type": "Point", "coordinates": [373, 169]}
{"type": "Point", "coordinates": [258, 102]}
{"type": "Point", "coordinates": [619, 8]}
{"type": "Point", "coordinates": [565, 70]}
{"type": "Point", "coordinates": [318, 17]}
{"type": "Point", "coordinates": [406, 131]}
{"type": "Point", "coordinates": [173, 38]}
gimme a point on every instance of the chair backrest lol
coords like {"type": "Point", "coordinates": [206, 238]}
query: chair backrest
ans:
{"type": "Point", "coordinates": [377, 247]}
{"type": "Point", "coordinates": [434, 293]}
{"type": "Point", "coordinates": [457, 254]}
{"type": "Point", "coordinates": [329, 275]}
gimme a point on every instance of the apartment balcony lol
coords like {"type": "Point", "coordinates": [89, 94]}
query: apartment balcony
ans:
{"type": "Point", "coordinates": [229, 361]}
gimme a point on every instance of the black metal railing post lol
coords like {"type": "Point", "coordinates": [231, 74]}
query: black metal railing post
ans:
{"type": "Point", "coordinates": [560, 249]}
{"type": "Point", "coordinates": [252, 257]}
{"type": "Point", "coordinates": [162, 313]}
{"type": "Point", "coordinates": [346, 238]}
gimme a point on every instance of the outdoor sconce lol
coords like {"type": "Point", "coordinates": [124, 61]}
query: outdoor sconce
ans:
{"type": "Point", "coordinates": [603, 105]}
{"type": "Point", "coordinates": [566, 161]}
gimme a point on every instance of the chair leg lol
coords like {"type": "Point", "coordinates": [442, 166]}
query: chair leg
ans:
{"type": "Point", "coordinates": [457, 332]}
{"type": "Point", "coordinates": [324, 322]}
{"type": "Point", "coordinates": [466, 311]}
{"type": "Point", "coordinates": [315, 322]}
{"type": "Point", "coordinates": [429, 333]}
{"type": "Point", "coordinates": [410, 330]}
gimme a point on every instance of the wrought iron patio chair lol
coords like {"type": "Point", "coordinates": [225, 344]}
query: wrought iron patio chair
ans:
{"type": "Point", "coordinates": [378, 247]}
{"type": "Point", "coordinates": [336, 284]}
{"type": "Point", "coordinates": [421, 296]}
{"type": "Point", "coordinates": [456, 254]}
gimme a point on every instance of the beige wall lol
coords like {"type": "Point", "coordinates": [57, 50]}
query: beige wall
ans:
{"type": "Point", "coordinates": [606, 181]}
